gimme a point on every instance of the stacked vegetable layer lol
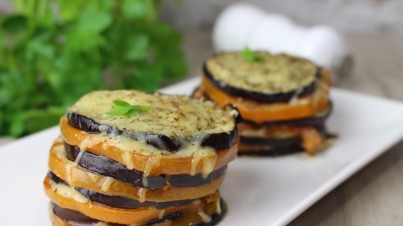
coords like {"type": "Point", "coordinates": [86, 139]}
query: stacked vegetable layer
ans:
{"type": "Point", "coordinates": [283, 100]}
{"type": "Point", "coordinates": [131, 158]}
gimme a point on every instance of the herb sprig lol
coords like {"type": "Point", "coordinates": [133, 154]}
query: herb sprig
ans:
{"type": "Point", "coordinates": [250, 56]}
{"type": "Point", "coordinates": [122, 108]}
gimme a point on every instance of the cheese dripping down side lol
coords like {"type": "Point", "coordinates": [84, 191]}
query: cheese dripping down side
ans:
{"type": "Point", "coordinates": [106, 183]}
{"type": "Point", "coordinates": [218, 206]}
{"type": "Point", "coordinates": [205, 217]}
{"type": "Point", "coordinates": [142, 194]}
{"type": "Point", "coordinates": [161, 213]}
{"type": "Point", "coordinates": [194, 150]}
{"type": "Point", "coordinates": [68, 192]}
{"type": "Point", "coordinates": [152, 161]}
{"type": "Point", "coordinates": [61, 154]}
{"type": "Point", "coordinates": [129, 145]}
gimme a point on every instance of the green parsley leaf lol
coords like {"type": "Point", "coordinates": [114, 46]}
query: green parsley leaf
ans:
{"type": "Point", "coordinates": [121, 103]}
{"type": "Point", "coordinates": [250, 56]}
{"type": "Point", "coordinates": [122, 108]}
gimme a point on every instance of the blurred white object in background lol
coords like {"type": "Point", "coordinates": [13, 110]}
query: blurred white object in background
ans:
{"type": "Point", "coordinates": [234, 25]}
{"type": "Point", "coordinates": [243, 25]}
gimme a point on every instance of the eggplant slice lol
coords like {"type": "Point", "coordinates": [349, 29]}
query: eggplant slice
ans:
{"type": "Point", "coordinates": [217, 141]}
{"type": "Point", "coordinates": [170, 123]}
{"type": "Point", "coordinates": [256, 146]}
{"type": "Point", "coordinates": [111, 168]}
{"type": "Point", "coordinates": [312, 121]}
{"type": "Point", "coordinates": [123, 202]}
{"type": "Point", "coordinates": [304, 90]}
{"type": "Point", "coordinates": [79, 219]}
{"type": "Point", "coordinates": [275, 143]}
{"type": "Point", "coordinates": [259, 146]}
{"type": "Point", "coordinates": [71, 215]}
{"type": "Point", "coordinates": [270, 151]}
{"type": "Point", "coordinates": [119, 201]}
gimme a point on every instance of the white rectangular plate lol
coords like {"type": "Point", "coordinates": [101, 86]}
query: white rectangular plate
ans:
{"type": "Point", "coordinates": [259, 191]}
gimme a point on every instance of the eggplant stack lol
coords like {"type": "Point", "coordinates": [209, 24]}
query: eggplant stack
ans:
{"type": "Point", "coordinates": [132, 158]}
{"type": "Point", "coordinates": [283, 100]}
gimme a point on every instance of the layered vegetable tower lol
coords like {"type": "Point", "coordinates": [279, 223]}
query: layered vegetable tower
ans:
{"type": "Point", "coordinates": [283, 100]}
{"type": "Point", "coordinates": [132, 158]}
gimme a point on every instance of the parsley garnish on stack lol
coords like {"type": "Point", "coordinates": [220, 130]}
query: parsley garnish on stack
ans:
{"type": "Point", "coordinates": [122, 108]}
{"type": "Point", "coordinates": [250, 56]}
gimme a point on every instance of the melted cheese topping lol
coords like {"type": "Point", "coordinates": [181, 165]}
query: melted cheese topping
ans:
{"type": "Point", "coordinates": [142, 194]}
{"type": "Point", "coordinates": [127, 145]}
{"type": "Point", "coordinates": [79, 156]}
{"type": "Point", "coordinates": [150, 164]}
{"type": "Point", "coordinates": [106, 183]}
{"type": "Point", "coordinates": [161, 214]}
{"type": "Point", "coordinates": [208, 156]}
{"type": "Point", "coordinates": [273, 74]}
{"type": "Point", "coordinates": [68, 192]}
{"type": "Point", "coordinates": [195, 163]}
{"type": "Point", "coordinates": [218, 206]}
{"type": "Point", "coordinates": [193, 150]}
{"type": "Point", "coordinates": [204, 216]}
{"type": "Point", "coordinates": [178, 117]}
{"type": "Point", "coordinates": [61, 154]}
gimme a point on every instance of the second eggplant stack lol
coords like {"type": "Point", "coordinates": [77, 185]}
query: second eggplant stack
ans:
{"type": "Point", "coordinates": [283, 100]}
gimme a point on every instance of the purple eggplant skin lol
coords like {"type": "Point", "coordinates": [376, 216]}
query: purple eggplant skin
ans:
{"type": "Point", "coordinates": [276, 147]}
{"type": "Point", "coordinates": [275, 143]}
{"type": "Point", "coordinates": [83, 220]}
{"type": "Point", "coordinates": [271, 147]}
{"type": "Point", "coordinates": [123, 202]}
{"type": "Point", "coordinates": [258, 96]}
{"type": "Point", "coordinates": [272, 152]}
{"type": "Point", "coordinates": [312, 121]}
{"type": "Point", "coordinates": [80, 219]}
{"type": "Point", "coordinates": [186, 180]}
{"type": "Point", "coordinates": [221, 141]}
{"type": "Point", "coordinates": [218, 141]}
{"type": "Point", "coordinates": [108, 167]}
{"type": "Point", "coordinates": [71, 215]}
{"type": "Point", "coordinates": [88, 125]}
{"type": "Point", "coordinates": [84, 123]}
{"type": "Point", "coordinates": [119, 201]}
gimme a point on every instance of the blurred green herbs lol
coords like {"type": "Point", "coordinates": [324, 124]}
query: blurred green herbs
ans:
{"type": "Point", "coordinates": [54, 51]}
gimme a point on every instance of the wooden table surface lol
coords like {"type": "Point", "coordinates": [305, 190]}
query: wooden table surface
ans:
{"type": "Point", "coordinates": [374, 195]}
